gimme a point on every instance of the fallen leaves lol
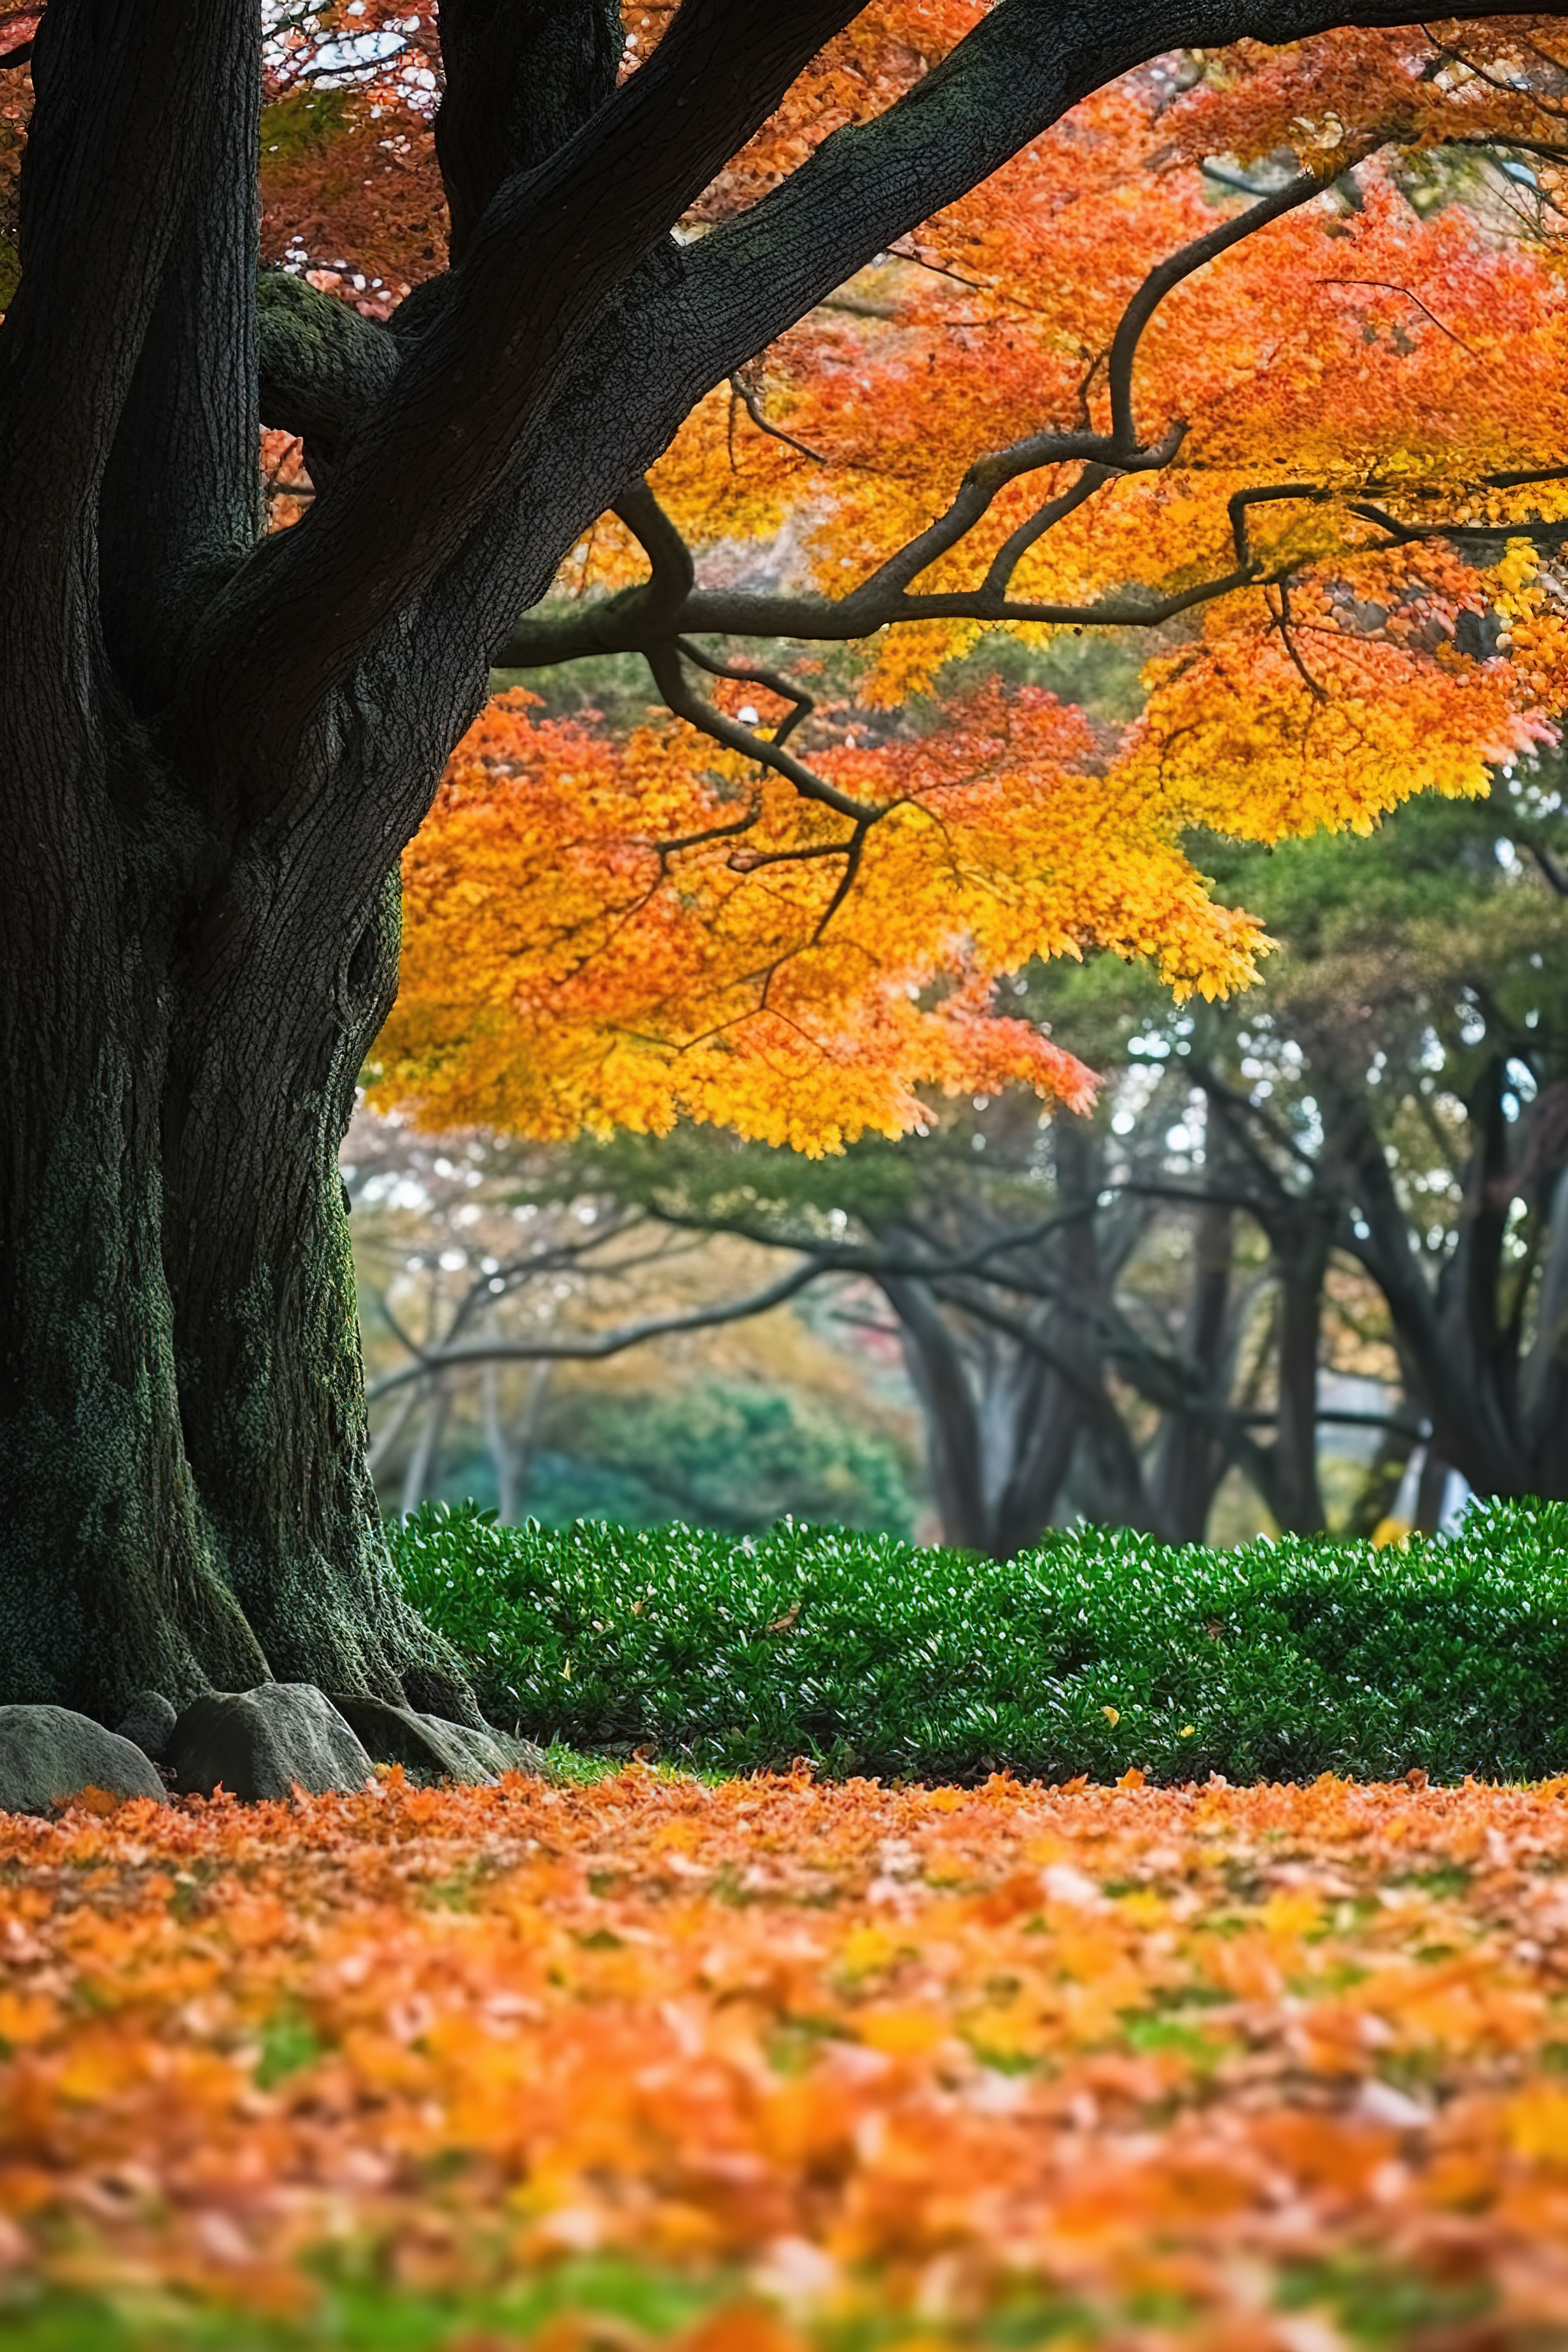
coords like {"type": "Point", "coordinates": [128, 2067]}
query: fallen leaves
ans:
{"type": "Point", "coordinates": [1207, 2052]}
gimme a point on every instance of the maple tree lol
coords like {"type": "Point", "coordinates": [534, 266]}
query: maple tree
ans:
{"type": "Point", "coordinates": [785, 908]}
{"type": "Point", "coordinates": [215, 744]}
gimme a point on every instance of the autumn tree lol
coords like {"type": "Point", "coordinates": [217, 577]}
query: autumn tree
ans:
{"type": "Point", "coordinates": [215, 744]}
{"type": "Point", "coordinates": [790, 888]}
{"type": "Point", "coordinates": [1356, 638]}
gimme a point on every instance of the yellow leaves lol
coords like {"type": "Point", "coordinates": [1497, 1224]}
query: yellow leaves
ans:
{"type": "Point", "coordinates": [26, 2018]}
{"type": "Point", "coordinates": [1283, 722]}
{"type": "Point", "coordinates": [1538, 2124]}
{"type": "Point", "coordinates": [907, 659]}
{"type": "Point", "coordinates": [866, 1950]}
{"type": "Point", "coordinates": [1294, 2000]}
{"type": "Point", "coordinates": [907, 2032]}
{"type": "Point", "coordinates": [600, 932]}
{"type": "Point", "coordinates": [1287, 1917]}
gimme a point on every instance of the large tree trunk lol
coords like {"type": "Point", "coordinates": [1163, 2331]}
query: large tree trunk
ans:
{"type": "Point", "coordinates": [109, 1579]}
{"type": "Point", "coordinates": [267, 1342]}
{"type": "Point", "coordinates": [185, 1500]}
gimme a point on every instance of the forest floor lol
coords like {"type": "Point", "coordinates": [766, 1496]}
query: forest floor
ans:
{"type": "Point", "coordinates": [776, 2062]}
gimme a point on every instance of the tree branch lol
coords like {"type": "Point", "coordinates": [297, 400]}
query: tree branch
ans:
{"type": "Point", "coordinates": [520, 76]}
{"type": "Point", "coordinates": [1167, 274]}
{"type": "Point", "coordinates": [323, 368]}
{"type": "Point", "coordinates": [477, 387]}
{"type": "Point", "coordinates": [668, 675]}
{"type": "Point", "coordinates": [592, 1347]}
{"type": "Point", "coordinates": [125, 95]}
{"type": "Point", "coordinates": [181, 504]}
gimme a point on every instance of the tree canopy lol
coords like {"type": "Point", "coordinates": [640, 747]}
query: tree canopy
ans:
{"type": "Point", "coordinates": [1285, 396]}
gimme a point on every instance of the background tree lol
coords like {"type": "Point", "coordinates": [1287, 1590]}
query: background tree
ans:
{"type": "Point", "coordinates": [654, 1372]}
{"type": "Point", "coordinates": [1400, 1092]}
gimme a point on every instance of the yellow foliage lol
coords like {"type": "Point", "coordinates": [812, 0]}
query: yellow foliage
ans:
{"type": "Point", "coordinates": [628, 931]}
{"type": "Point", "coordinates": [608, 931]}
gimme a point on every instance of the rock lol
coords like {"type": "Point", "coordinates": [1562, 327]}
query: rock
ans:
{"type": "Point", "coordinates": [261, 1742]}
{"type": "Point", "coordinates": [48, 1755]}
{"type": "Point", "coordinates": [430, 1749]}
{"type": "Point", "coordinates": [148, 1724]}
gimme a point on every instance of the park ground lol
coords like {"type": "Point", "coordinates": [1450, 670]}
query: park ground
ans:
{"type": "Point", "coordinates": [766, 2062]}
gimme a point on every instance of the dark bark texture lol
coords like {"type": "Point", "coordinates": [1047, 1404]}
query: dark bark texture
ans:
{"type": "Point", "coordinates": [214, 747]}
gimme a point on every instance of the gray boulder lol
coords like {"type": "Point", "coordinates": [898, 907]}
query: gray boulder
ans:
{"type": "Point", "coordinates": [148, 1723]}
{"type": "Point", "coordinates": [429, 1748]}
{"type": "Point", "coordinates": [262, 1742]}
{"type": "Point", "coordinates": [48, 1755]}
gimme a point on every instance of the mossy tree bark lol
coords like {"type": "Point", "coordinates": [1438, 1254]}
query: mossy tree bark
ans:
{"type": "Point", "coordinates": [215, 746]}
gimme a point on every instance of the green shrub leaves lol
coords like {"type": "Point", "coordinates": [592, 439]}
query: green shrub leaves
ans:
{"type": "Point", "coordinates": [1099, 1651]}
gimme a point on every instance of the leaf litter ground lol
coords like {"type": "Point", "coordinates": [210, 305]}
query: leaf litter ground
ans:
{"type": "Point", "coordinates": [778, 2062]}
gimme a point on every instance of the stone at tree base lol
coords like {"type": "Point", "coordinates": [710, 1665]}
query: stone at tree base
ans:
{"type": "Point", "coordinates": [263, 1742]}
{"type": "Point", "coordinates": [148, 1723]}
{"type": "Point", "coordinates": [430, 1749]}
{"type": "Point", "coordinates": [49, 1754]}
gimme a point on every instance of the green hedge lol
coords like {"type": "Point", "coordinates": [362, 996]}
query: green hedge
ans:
{"type": "Point", "coordinates": [1276, 1662]}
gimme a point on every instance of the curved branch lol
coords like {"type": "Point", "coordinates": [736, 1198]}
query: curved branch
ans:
{"type": "Point", "coordinates": [669, 676]}
{"type": "Point", "coordinates": [1170, 273]}
{"type": "Point", "coordinates": [1012, 551]}
{"type": "Point", "coordinates": [774, 680]}
{"type": "Point", "coordinates": [672, 574]}
{"type": "Point", "coordinates": [322, 366]}
{"type": "Point", "coordinates": [592, 1347]}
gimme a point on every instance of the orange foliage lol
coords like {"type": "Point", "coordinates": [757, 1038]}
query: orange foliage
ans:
{"type": "Point", "coordinates": [350, 190]}
{"type": "Point", "coordinates": [630, 930]}
{"type": "Point", "coordinates": [604, 931]}
{"type": "Point", "coordinates": [928, 2051]}
{"type": "Point", "coordinates": [1372, 363]}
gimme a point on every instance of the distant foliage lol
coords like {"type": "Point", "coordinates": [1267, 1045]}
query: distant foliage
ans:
{"type": "Point", "coordinates": [717, 1453]}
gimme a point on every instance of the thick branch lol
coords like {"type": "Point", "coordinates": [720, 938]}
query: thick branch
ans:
{"type": "Point", "coordinates": [593, 1346]}
{"type": "Point", "coordinates": [322, 366]}
{"type": "Point", "coordinates": [477, 386]}
{"type": "Point", "coordinates": [125, 96]}
{"type": "Point", "coordinates": [181, 504]}
{"type": "Point", "coordinates": [522, 76]}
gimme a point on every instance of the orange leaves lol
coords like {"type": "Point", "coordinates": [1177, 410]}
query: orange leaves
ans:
{"type": "Point", "coordinates": [1349, 404]}
{"type": "Point", "coordinates": [917, 2052]}
{"type": "Point", "coordinates": [1286, 721]}
{"type": "Point", "coordinates": [599, 931]}
{"type": "Point", "coordinates": [1424, 86]}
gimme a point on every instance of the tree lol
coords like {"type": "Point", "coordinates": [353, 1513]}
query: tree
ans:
{"type": "Point", "coordinates": [786, 897]}
{"type": "Point", "coordinates": [1398, 1093]}
{"type": "Point", "coordinates": [215, 745]}
{"type": "Point", "coordinates": [1085, 1334]}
